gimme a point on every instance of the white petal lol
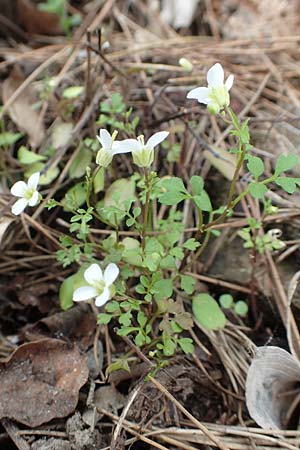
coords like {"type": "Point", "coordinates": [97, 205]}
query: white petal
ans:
{"type": "Point", "coordinates": [156, 139]}
{"type": "Point", "coordinates": [118, 147]}
{"type": "Point", "coordinates": [34, 199]}
{"type": "Point", "coordinates": [84, 293]}
{"type": "Point", "coordinates": [128, 145]}
{"type": "Point", "coordinates": [19, 206]}
{"type": "Point", "coordinates": [201, 94]}
{"type": "Point", "coordinates": [103, 298]}
{"type": "Point", "coordinates": [229, 82]}
{"type": "Point", "coordinates": [93, 274]}
{"type": "Point", "coordinates": [111, 273]}
{"type": "Point", "coordinates": [19, 189]}
{"type": "Point", "coordinates": [105, 139]}
{"type": "Point", "coordinates": [33, 180]}
{"type": "Point", "coordinates": [215, 75]}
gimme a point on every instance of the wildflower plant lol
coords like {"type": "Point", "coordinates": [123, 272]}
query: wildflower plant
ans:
{"type": "Point", "coordinates": [143, 285]}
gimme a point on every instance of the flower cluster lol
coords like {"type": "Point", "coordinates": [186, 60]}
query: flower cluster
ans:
{"type": "Point", "coordinates": [142, 153]}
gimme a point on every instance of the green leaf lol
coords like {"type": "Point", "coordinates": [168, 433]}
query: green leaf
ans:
{"type": "Point", "coordinates": [124, 331]}
{"type": "Point", "coordinates": [197, 184]}
{"type": "Point", "coordinates": [104, 319]}
{"type": "Point", "coordinates": [75, 197]}
{"type": "Point", "coordinates": [25, 156]}
{"type": "Point", "coordinates": [207, 312]}
{"type": "Point", "coordinates": [8, 138]}
{"type": "Point", "coordinates": [203, 201]}
{"type": "Point", "coordinates": [284, 163]}
{"type": "Point", "coordinates": [112, 307]}
{"type": "Point", "coordinates": [163, 289]}
{"type": "Point", "coordinates": [191, 244]}
{"type": "Point", "coordinates": [289, 185]}
{"type": "Point", "coordinates": [256, 166]}
{"type": "Point", "coordinates": [172, 198]}
{"type": "Point", "coordinates": [68, 287]}
{"type": "Point", "coordinates": [142, 319]}
{"type": "Point", "coordinates": [257, 190]}
{"type": "Point", "coordinates": [177, 252]}
{"type": "Point", "coordinates": [188, 284]}
{"type": "Point", "coordinates": [226, 301]}
{"type": "Point", "coordinates": [241, 308]}
{"type": "Point", "coordinates": [80, 163]}
{"type": "Point", "coordinates": [186, 345]}
{"type": "Point", "coordinates": [98, 181]}
{"type": "Point", "coordinates": [244, 132]}
{"type": "Point", "coordinates": [119, 192]}
{"type": "Point", "coordinates": [119, 364]}
{"type": "Point", "coordinates": [72, 92]}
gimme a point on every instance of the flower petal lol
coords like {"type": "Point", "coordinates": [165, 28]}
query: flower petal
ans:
{"type": "Point", "coordinates": [215, 75]}
{"type": "Point", "coordinates": [93, 274]}
{"type": "Point", "coordinates": [19, 206]}
{"type": "Point", "coordinates": [118, 147]}
{"type": "Point", "coordinates": [111, 273]}
{"type": "Point", "coordinates": [156, 139]}
{"type": "Point", "coordinates": [19, 189]}
{"type": "Point", "coordinates": [105, 139]}
{"type": "Point", "coordinates": [201, 94]}
{"type": "Point", "coordinates": [103, 298]}
{"type": "Point", "coordinates": [33, 180]}
{"type": "Point", "coordinates": [128, 145]}
{"type": "Point", "coordinates": [229, 82]}
{"type": "Point", "coordinates": [84, 293]}
{"type": "Point", "coordinates": [34, 199]}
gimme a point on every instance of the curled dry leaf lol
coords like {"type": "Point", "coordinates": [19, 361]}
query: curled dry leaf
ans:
{"type": "Point", "coordinates": [21, 110]}
{"type": "Point", "coordinates": [4, 225]}
{"type": "Point", "coordinates": [272, 375]}
{"type": "Point", "coordinates": [36, 21]}
{"type": "Point", "coordinates": [40, 381]}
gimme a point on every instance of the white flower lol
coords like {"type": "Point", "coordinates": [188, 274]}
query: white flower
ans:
{"type": "Point", "coordinates": [27, 192]}
{"type": "Point", "coordinates": [216, 95]}
{"type": "Point", "coordinates": [99, 284]}
{"type": "Point", "coordinates": [143, 154]}
{"type": "Point", "coordinates": [109, 148]}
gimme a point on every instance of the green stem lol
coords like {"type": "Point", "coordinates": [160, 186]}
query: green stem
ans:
{"type": "Point", "coordinates": [146, 208]}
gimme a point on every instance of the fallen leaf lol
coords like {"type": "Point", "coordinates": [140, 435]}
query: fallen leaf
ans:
{"type": "Point", "coordinates": [21, 111]}
{"type": "Point", "coordinates": [36, 21]}
{"type": "Point", "coordinates": [40, 381]}
{"type": "Point", "coordinates": [272, 374]}
{"type": "Point", "coordinates": [4, 225]}
{"type": "Point", "coordinates": [77, 324]}
{"type": "Point", "coordinates": [106, 397]}
{"type": "Point", "coordinates": [61, 134]}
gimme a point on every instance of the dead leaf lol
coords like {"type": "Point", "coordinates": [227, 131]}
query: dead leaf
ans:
{"type": "Point", "coordinates": [4, 225]}
{"type": "Point", "coordinates": [61, 134]}
{"type": "Point", "coordinates": [41, 381]}
{"type": "Point", "coordinates": [106, 397]}
{"type": "Point", "coordinates": [21, 110]}
{"type": "Point", "coordinates": [272, 374]}
{"type": "Point", "coordinates": [76, 324]}
{"type": "Point", "coordinates": [36, 21]}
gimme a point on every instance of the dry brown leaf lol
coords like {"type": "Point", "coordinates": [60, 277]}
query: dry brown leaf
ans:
{"type": "Point", "coordinates": [273, 373]}
{"type": "Point", "coordinates": [36, 21]}
{"type": "Point", "coordinates": [76, 324]}
{"type": "Point", "coordinates": [21, 110]}
{"type": "Point", "coordinates": [4, 225]}
{"type": "Point", "coordinates": [41, 381]}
